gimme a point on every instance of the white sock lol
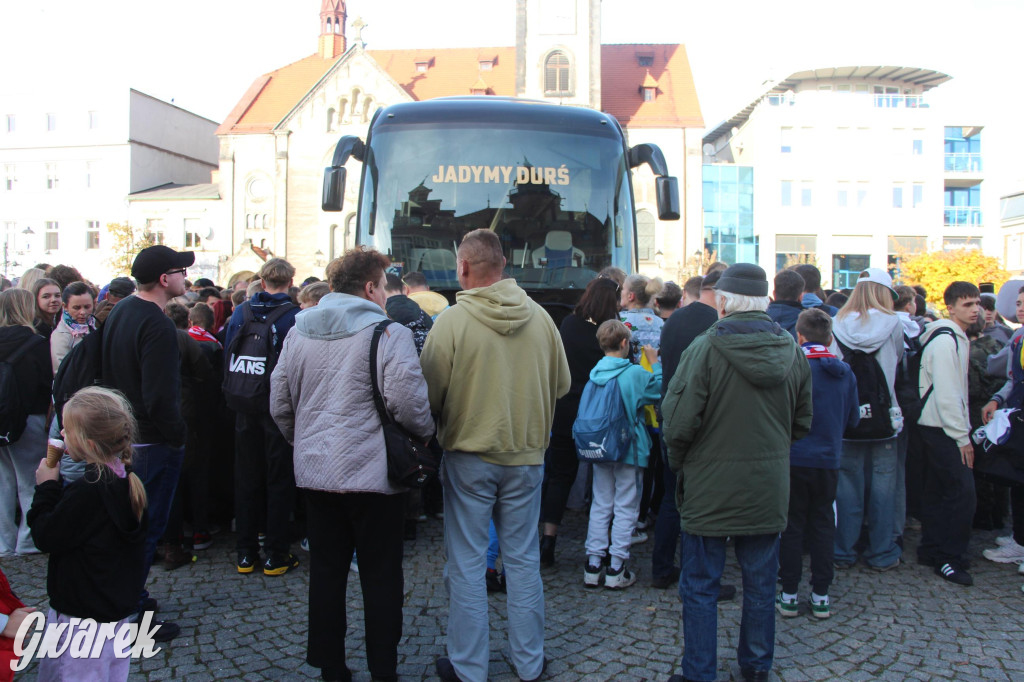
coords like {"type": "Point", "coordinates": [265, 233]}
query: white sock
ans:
{"type": "Point", "coordinates": [819, 599]}
{"type": "Point", "coordinates": [616, 563]}
{"type": "Point", "coordinates": [594, 559]}
{"type": "Point", "coordinates": [788, 597]}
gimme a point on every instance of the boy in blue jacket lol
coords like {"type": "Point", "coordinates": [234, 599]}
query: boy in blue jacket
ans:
{"type": "Point", "coordinates": [617, 485]}
{"type": "Point", "coordinates": [814, 466]}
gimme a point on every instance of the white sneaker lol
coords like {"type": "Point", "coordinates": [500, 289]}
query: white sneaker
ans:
{"type": "Point", "coordinates": [618, 580]}
{"type": "Point", "coordinates": [1004, 540]}
{"type": "Point", "coordinates": [1011, 553]}
{"type": "Point", "coordinates": [1020, 569]}
{"type": "Point", "coordinates": [592, 575]}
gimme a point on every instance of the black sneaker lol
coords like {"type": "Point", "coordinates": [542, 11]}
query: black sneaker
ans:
{"type": "Point", "coordinates": [280, 564]}
{"type": "Point", "coordinates": [445, 670]}
{"type": "Point", "coordinates": [165, 631]}
{"type": "Point", "coordinates": [247, 562]}
{"type": "Point", "coordinates": [954, 573]}
{"type": "Point", "coordinates": [149, 604]}
{"type": "Point", "coordinates": [495, 581]}
{"type": "Point", "coordinates": [665, 581]}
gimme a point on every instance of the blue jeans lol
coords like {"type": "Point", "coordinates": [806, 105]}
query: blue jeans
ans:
{"type": "Point", "coordinates": [703, 563]}
{"type": "Point", "coordinates": [474, 492]}
{"type": "Point", "coordinates": [667, 530]}
{"type": "Point", "coordinates": [867, 469]}
{"type": "Point", "coordinates": [493, 547]}
{"type": "Point", "coordinates": [158, 465]}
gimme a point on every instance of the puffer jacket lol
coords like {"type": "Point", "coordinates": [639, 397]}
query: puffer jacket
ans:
{"type": "Point", "coordinates": [321, 399]}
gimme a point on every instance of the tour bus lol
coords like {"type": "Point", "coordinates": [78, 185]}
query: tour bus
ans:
{"type": "Point", "coordinates": [553, 182]}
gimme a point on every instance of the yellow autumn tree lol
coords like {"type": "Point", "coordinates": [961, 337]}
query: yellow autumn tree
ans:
{"type": "Point", "coordinates": [126, 242]}
{"type": "Point", "coordinates": [937, 269]}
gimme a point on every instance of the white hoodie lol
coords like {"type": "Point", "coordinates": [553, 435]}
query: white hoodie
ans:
{"type": "Point", "coordinates": [944, 370]}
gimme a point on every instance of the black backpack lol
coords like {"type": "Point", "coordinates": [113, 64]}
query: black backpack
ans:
{"type": "Point", "coordinates": [81, 367]}
{"type": "Point", "coordinates": [13, 415]}
{"type": "Point", "coordinates": [913, 371]}
{"type": "Point", "coordinates": [872, 396]}
{"type": "Point", "coordinates": [250, 359]}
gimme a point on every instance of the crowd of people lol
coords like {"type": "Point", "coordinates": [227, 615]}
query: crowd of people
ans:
{"type": "Point", "coordinates": [821, 421]}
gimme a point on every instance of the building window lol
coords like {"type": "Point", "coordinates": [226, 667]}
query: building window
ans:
{"type": "Point", "coordinates": [51, 176]}
{"type": "Point", "coordinates": [846, 269]}
{"type": "Point", "coordinates": [917, 147]}
{"type": "Point", "coordinates": [645, 60]}
{"type": "Point", "coordinates": [843, 195]}
{"type": "Point", "coordinates": [192, 238]}
{"type": "Point", "coordinates": [862, 194]}
{"type": "Point", "coordinates": [843, 87]}
{"type": "Point", "coordinates": [51, 122]}
{"type": "Point", "coordinates": [897, 196]}
{"type": "Point", "coordinates": [92, 234]}
{"type": "Point", "coordinates": [556, 73]}
{"type": "Point", "coordinates": [918, 194]}
{"type": "Point", "coordinates": [88, 174]}
{"type": "Point", "coordinates": [728, 198]}
{"type": "Point", "coordinates": [648, 94]}
{"type": "Point", "coordinates": [51, 242]}
{"type": "Point", "coordinates": [94, 120]}
{"type": "Point", "coordinates": [963, 154]}
{"type": "Point", "coordinates": [793, 249]}
{"type": "Point", "coordinates": [787, 193]}
{"type": "Point", "coordinates": [963, 206]}
{"type": "Point", "coordinates": [9, 178]}
{"type": "Point", "coordinates": [10, 123]}
{"type": "Point", "coordinates": [806, 194]}
{"type": "Point", "coordinates": [645, 235]}
{"type": "Point", "coordinates": [787, 141]}
{"type": "Point", "coordinates": [155, 229]}
{"type": "Point", "coordinates": [487, 65]}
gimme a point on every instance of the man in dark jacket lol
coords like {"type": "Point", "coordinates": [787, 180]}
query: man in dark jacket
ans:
{"type": "Point", "coordinates": [786, 306]}
{"type": "Point", "coordinates": [406, 311]}
{"type": "Point", "coordinates": [264, 476]}
{"type": "Point", "coordinates": [740, 397]}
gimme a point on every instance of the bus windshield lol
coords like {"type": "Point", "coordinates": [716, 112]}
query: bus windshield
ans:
{"type": "Point", "coordinates": [559, 201]}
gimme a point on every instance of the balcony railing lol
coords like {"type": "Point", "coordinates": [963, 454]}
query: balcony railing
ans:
{"type": "Point", "coordinates": [899, 101]}
{"type": "Point", "coordinates": [963, 216]}
{"type": "Point", "coordinates": [963, 163]}
{"type": "Point", "coordinates": [877, 100]}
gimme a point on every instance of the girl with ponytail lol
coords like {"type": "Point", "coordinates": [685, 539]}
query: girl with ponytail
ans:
{"type": "Point", "coordinates": [94, 530]}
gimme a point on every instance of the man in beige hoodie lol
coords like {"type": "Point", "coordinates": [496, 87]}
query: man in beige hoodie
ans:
{"type": "Point", "coordinates": [494, 366]}
{"type": "Point", "coordinates": [945, 427]}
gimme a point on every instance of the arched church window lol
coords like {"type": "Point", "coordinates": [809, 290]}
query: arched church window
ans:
{"type": "Point", "coordinates": [332, 120]}
{"type": "Point", "coordinates": [367, 106]}
{"type": "Point", "coordinates": [645, 242]}
{"type": "Point", "coordinates": [556, 73]}
{"type": "Point", "coordinates": [329, 27]}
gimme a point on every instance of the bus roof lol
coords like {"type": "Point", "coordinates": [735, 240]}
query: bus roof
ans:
{"type": "Point", "coordinates": [497, 111]}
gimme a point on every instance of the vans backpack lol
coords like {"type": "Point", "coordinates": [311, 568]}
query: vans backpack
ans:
{"type": "Point", "coordinates": [80, 368]}
{"type": "Point", "coordinates": [251, 358]}
{"type": "Point", "coordinates": [12, 409]}
{"type": "Point", "coordinates": [872, 395]}
{"type": "Point", "coordinates": [908, 375]}
{"type": "Point", "coordinates": [603, 430]}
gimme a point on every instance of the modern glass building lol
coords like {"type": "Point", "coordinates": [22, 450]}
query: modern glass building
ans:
{"type": "Point", "coordinates": [729, 213]}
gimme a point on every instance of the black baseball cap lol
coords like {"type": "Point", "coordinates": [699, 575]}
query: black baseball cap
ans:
{"type": "Point", "coordinates": [154, 261]}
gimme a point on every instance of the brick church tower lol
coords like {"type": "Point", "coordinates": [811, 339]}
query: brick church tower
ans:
{"type": "Point", "coordinates": [332, 28]}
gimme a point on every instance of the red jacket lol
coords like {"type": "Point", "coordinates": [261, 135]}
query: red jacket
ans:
{"type": "Point", "coordinates": [8, 602]}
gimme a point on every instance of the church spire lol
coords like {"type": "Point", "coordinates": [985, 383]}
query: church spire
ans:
{"type": "Point", "coordinates": [332, 28]}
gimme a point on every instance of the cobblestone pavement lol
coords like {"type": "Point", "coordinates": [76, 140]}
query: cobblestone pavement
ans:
{"type": "Point", "coordinates": [900, 625]}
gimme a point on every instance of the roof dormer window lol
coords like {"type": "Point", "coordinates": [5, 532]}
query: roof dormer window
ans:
{"type": "Point", "coordinates": [645, 59]}
{"type": "Point", "coordinates": [488, 64]}
{"type": "Point", "coordinates": [423, 64]}
{"type": "Point", "coordinates": [649, 94]}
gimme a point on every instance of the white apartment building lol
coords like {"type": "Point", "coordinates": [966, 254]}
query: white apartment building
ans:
{"type": "Point", "coordinates": [70, 161]}
{"type": "Point", "coordinates": [1011, 221]}
{"type": "Point", "coordinates": [848, 168]}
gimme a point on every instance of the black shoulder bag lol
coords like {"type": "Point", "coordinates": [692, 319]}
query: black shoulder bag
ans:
{"type": "Point", "coordinates": [410, 463]}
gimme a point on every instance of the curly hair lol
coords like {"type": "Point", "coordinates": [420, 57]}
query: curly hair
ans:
{"type": "Point", "coordinates": [350, 273]}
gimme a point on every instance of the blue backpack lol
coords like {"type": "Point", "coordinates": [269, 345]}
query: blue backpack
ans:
{"type": "Point", "coordinates": [603, 431]}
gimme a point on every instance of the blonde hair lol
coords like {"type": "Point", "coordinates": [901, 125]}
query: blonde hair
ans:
{"type": "Point", "coordinates": [867, 296]}
{"type": "Point", "coordinates": [611, 334]}
{"type": "Point", "coordinates": [277, 272]}
{"type": "Point", "coordinates": [643, 288]}
{"type": "Point", "coordinates": [30, 277]}
{"type": "Point", "coordinates": [17, 307]}
{"type": "Point", "coordinates": [99, 428]}
{"type": "Point", "coordinates": [312, 293]}
{"type": "Point", "coordinates": [254, 287]}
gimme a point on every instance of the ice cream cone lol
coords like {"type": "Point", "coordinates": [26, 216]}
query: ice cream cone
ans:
{"type": "Point", "coordinates": [54, 451]}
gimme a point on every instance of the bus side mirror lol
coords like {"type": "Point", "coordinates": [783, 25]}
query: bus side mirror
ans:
{"type": "Point", "coordinates": [667, 190]}
{"type": "Point", "coordinates": [334, 189]}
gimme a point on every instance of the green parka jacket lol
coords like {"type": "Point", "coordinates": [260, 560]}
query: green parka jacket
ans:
{"type": "Point", "coordinates": [739, 398]}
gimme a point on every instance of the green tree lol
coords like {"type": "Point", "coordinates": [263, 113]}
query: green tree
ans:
{"type": "Point", "coordinates": [126, 242]}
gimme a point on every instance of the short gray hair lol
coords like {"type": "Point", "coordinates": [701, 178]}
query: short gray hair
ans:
{"type": "Point", "coordinates": [738, 303]}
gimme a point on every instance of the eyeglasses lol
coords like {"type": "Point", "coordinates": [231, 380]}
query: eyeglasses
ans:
{"type": "Point", "coordinates": [175, 272]}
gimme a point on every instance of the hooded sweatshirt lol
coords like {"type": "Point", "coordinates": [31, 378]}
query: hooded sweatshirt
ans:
{"type": "Point", "coordinates": [321, 397]}
{"type": "Point", "coordinates": [495, 365]}
{"type": "Point", "coordinates": [740, 397]}
{"type": "Point", "coordinates": [834, 390]}
{"type": "Point", "coordinates": [880, 334]}
{"type": "Point", "coordinates": [638, 388]}
{"type": "Point", "coordinates": [944, 366]}
{"type": "Point", "coordinates": [95, 542]}
{"type": "Point", "coordinates": [406, 312]}
{"type": "Point", "coordinates": [785, 313]}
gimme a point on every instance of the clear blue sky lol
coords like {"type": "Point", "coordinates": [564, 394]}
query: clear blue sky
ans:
{"type": "Point", "coordinates": [204, 54]}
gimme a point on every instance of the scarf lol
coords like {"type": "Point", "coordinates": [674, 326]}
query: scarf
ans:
{"type": "Point", "coordinates": [78, 330]}
{"type": "Point", "coordinates": [117, 466]}
{"type": "Point", "coordinates": [816, 350]}
{"type": "Point", "coordinates": [200, 334]}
